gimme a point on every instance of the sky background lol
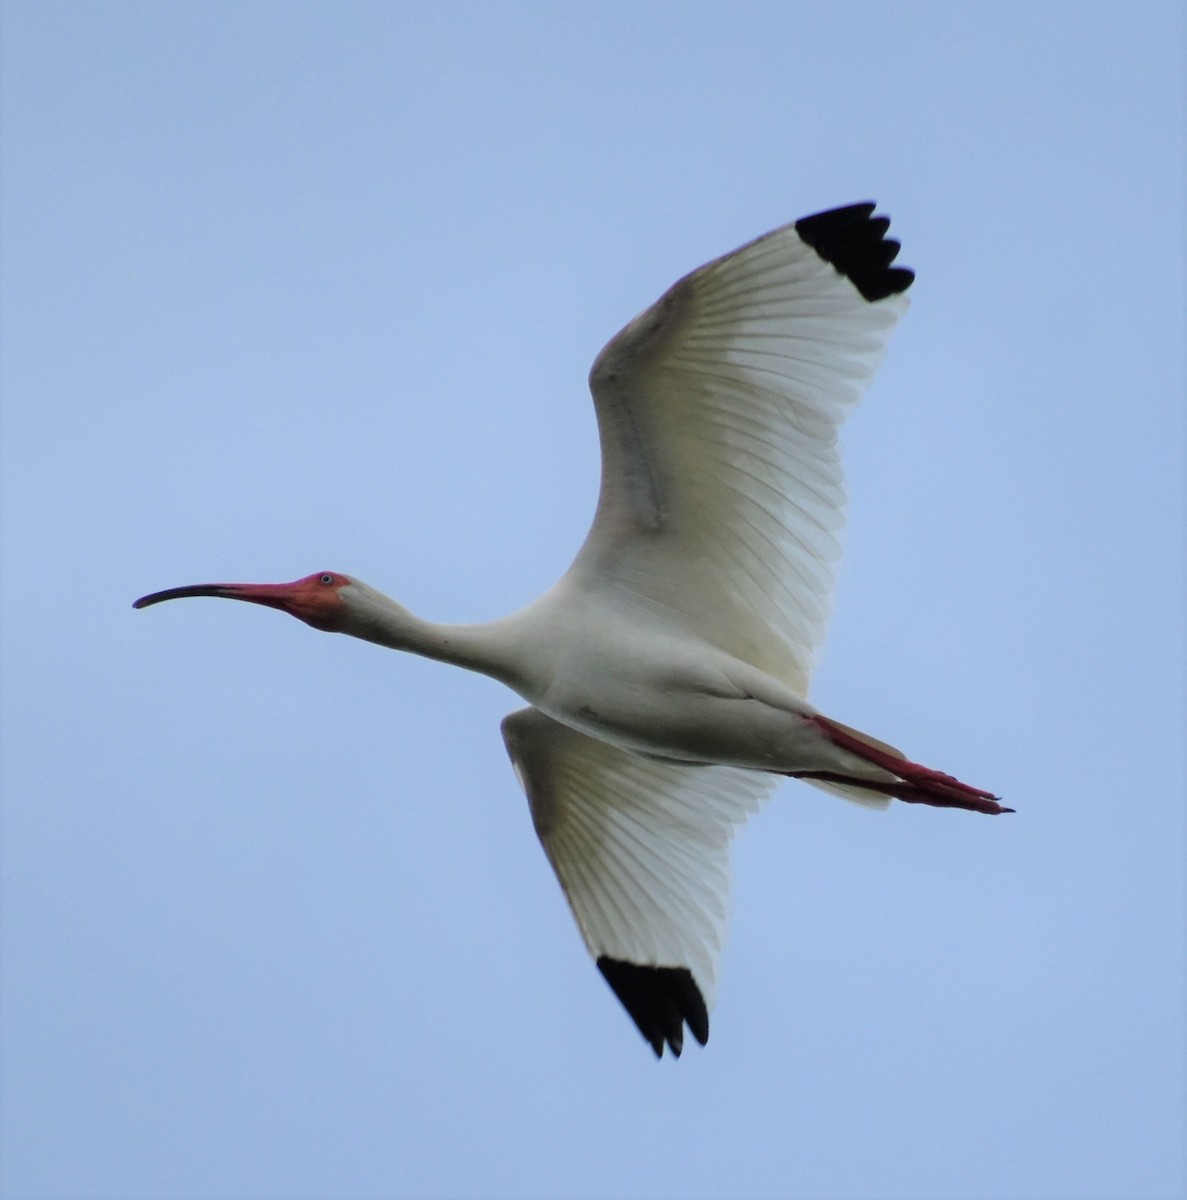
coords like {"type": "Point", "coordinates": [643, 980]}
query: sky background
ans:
{"type": "Point", "coordinates": [291, 287]}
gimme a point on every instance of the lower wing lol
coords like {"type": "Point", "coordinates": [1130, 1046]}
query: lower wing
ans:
{"type": "Point", "coordinates": [641, 849]}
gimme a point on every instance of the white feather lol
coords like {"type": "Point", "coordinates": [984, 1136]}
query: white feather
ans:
{"type": "Point", "coordinates": [640, 846]}
{"type": "Point", "coordinates": [718, 410]}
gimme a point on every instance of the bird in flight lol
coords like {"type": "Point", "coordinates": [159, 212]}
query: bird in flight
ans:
{"type": "Point", "coordinates": [666, 673]}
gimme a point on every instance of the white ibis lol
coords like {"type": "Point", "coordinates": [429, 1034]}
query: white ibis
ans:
{"type": "Point", "coordinates": [667, 671]}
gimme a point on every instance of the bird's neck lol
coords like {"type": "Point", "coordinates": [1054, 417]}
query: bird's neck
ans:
{"type": "Point", "coordinates": [485, 648]}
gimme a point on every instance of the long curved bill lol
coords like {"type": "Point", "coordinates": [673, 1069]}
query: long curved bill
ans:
{"type": "Point", "coordinates": [275, 595]}
{"type": "Point", "coordinates": [316, 599]}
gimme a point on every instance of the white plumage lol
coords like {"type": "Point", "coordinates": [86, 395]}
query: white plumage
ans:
{"type": "Point", "coordinates": [640, 846]}
{"type": "Point", "coordinates": [667, 671]}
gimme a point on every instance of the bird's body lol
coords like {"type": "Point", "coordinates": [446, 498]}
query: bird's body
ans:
{"type": "Point", "coordinates": [638, 682]}
{"type": "Point", "coordinates": [667, 671]}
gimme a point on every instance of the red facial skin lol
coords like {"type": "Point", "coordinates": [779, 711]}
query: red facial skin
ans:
{"type": "Point", "coordinates": [314, 599]}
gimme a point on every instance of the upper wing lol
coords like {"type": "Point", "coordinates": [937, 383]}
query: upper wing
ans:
{"type": "Point", "coordinates": [641, 849]}
{"type": "Point", "coordinates": [718, 411]}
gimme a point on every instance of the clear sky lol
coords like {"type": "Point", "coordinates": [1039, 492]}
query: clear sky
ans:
{"type": "Point", "coordinates": [289, 287]}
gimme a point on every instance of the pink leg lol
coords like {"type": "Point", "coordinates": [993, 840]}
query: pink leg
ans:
{"type": "Point", "coordinates": [916, 785]}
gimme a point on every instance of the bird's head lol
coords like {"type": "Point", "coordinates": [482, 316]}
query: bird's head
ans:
{"type": "Point", "coordinates": [319, 600]}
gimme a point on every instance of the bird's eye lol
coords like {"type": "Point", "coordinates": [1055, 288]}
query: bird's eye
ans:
{"type": "Point", "coordinates": [327, 579]}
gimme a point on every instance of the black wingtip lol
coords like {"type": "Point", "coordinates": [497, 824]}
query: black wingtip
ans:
{"type": "Point", "coordinates": [854, 241]}
{"type": "Point", "coordinates": [660, 1001]}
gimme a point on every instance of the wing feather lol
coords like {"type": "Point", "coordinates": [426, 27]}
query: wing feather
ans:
{"type": "Point", "coordinates": [641, 850]}
{"type": "Point", "coordinates": [718, 411]}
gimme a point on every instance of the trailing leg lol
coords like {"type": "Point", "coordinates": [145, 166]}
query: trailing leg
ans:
{"type": "Point", "coordinates": [912, 783]}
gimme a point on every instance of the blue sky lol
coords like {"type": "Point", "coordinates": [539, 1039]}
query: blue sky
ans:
{"type": "Point", "coordinates": [289, 287]}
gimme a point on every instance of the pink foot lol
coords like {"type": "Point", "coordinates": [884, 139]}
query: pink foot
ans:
{"type": "Point", "coordinates": [916, 784]}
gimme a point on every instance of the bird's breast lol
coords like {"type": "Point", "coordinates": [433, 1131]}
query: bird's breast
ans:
{"type": "Point", "coordinates": [657, 696]}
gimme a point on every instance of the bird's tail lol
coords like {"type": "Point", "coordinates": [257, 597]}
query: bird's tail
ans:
{"type": "Point", "coordinates": [907, 780]}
